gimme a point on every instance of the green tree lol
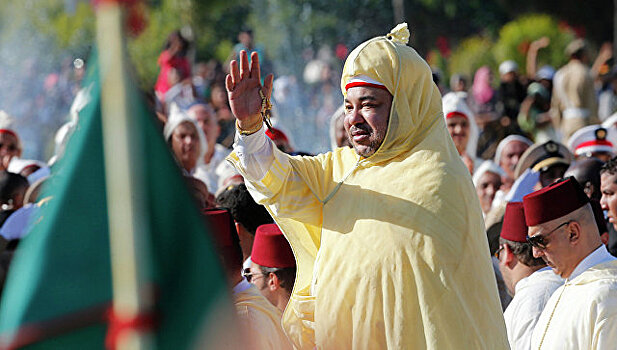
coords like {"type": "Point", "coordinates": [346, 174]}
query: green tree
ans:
{"type": "Point", "coordinates": [515, 37]}
{"type": "Point", "coordinates": [471, 54]}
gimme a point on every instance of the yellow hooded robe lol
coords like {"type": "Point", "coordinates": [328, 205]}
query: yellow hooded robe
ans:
{"type": "Point", "coordinates": [390, 249]}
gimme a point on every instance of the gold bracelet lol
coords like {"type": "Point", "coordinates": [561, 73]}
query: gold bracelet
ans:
{"type": "Point", "coordinates": [251, 130]}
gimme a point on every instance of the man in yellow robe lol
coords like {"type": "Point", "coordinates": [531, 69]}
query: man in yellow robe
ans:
{"type": "Point", "coordinates": [388, 236]}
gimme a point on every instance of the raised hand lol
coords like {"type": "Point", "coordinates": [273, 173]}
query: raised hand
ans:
{"type": "Point", "coordinates": [243, 85]}
{"type": "Point", "coordinates": [540, 43]}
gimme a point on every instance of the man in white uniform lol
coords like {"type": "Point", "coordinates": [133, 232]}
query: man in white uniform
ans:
{"type": "Point", "coordinates": [527, 278]}
{"type": "Point", "coordinates": [582, 314]}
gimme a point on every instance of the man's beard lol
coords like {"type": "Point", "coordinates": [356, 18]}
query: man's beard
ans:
{"type": "Point", "coordinates": [374, 139]}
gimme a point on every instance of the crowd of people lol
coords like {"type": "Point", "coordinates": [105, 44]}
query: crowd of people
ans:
{"type": "Point", "coordinates": [468, 217]}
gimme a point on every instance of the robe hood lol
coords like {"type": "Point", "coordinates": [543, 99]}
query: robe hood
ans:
{"type": "Point", "coordinates": [416, 103]}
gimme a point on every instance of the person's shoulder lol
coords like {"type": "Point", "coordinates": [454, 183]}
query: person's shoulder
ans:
{"type": "Point", "coordinates": [599, 284]}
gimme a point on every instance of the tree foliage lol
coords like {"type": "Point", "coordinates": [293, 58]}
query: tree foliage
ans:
{"type": "Point", "coordinates": [471, 54]}
{"type": "Point", "coordinates": [515, 37]}
{"type": "Point", "coordinates": [512, 43]}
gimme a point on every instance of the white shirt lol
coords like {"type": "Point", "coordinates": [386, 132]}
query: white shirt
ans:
{"type": "Point", "coordinates": [530, 295]}
{"type": "Point", "coordinates": [582, 314]}
{"type": "Point", "coordinates": [255, 153]}
{"type": "Point", "coordinates": [207, 172]}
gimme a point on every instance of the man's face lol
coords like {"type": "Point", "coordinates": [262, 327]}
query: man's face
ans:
{"type": "Point", "coordinates": [185, 145]}
{"type": "Point", "coordinates": [9, 148]}
{"type": "Point", "coordinates": [510, 155]}
{"type": "Point", "coordinates": [367, 111]}
{"type": "Point", "coordinates": [558, 253]}
{"type": "Point", "coordinates": [261, 282]}
{"type": "Point", "coordinates": [487, 187]}
{"type": "Point", "coordinates": [603, 156]}
{"type": "Point", "coordinates": [608, 201]}
{"type": "Point", "coordinates": [207, 122]}
{"type": "Point", "coordinates": [554, 172]}
{"type": "Point", "coordinates": [508, 77]}
{"type": "Point", "coordinates": [458, 127]}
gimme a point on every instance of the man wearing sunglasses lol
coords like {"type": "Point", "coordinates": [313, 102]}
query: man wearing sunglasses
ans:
{"type": "Point", "coordinates": [582, 314]}
{"type": "Point", "coordinates": [273, 267]}
{"type": "Point", "coordinates": [527, 278]}
{"type": "Point", "coordinates": [259, 320]}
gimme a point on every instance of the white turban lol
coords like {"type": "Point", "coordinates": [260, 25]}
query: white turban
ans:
{"type": "Point", "coordinates": [488, 166]}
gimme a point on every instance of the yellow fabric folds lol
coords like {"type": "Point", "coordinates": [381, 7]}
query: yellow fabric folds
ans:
{"type": "Point", "coordinates": [260, 321]}
{"type": "Point", "coordinates": [390, 249]}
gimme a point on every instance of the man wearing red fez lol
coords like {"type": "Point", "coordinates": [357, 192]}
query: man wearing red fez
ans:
{"type": "Point", "coordinates": [582, 314]}
{"type": "Point", "coordinates": [273, 267]}
{"type": "Point", "coordinates": [379, 230]}
{"type": "Point", "coordinates": [259, 320]}
{"type": "Point", "coordinates": [527, 278]}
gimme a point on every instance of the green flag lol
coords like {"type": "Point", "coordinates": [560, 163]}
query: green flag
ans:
{"type": "Point", "coordinates": [59, 284]}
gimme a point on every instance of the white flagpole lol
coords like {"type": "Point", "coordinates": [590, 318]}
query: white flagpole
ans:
{"type": "Point", "coordinates": [126, 226]}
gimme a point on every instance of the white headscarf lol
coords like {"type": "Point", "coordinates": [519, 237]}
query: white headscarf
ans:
{"type": "Point", "coordinates": [177, 117]}
{"type": "Point", "coordinates": [488, 166]}
{"type": "Point", "coordinates": [340, 113]}
{"type": "Point", "coordinates": [506, 141]}
{"type": "Point", "coordinates": [455, 103]}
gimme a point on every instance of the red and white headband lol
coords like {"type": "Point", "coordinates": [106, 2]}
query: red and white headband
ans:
{"type": "Point", "coordinates": [456, 114]}
{"type": "Point", "coordinates": [594, 146]}
{"type": "Point", "coordinates": [363, 80]}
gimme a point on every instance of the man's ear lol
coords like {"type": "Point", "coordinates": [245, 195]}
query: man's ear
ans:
{"type": "Point", "coordinates": [574, 230]}
{"type": "Point", "coordinates": [604, 238]}
{"type": "Point", "coordinates": [510, 259]}
{"type": "Point", "coordinates": [273, 282]}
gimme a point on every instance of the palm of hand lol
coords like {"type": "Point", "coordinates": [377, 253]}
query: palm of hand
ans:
{"type": "Point", "coordinates": [244, 99]}
{"type": "Point", "coordinates": [244, 86]}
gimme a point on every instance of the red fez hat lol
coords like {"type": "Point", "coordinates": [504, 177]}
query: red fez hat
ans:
{"type": "Point", "coordinates": [599, 216]}
{"type": "Point", "coordinates": [554, 201]}
{"type": "Point", "coordinates": [514, 227]}
{"type": "Point", "coordinates": [223, 228]}
{"type": "Point", "coordinates": [271, 249]}
{"type": "Point", "coordinates": [276, 134]}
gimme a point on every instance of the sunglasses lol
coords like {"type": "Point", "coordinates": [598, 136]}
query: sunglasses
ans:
{"type": "Point", "coordinates": [539, 241]}
{"type": "Point", "coordinates": [246, 273]}
{"type": "Point", "coordinates": [501, 247]}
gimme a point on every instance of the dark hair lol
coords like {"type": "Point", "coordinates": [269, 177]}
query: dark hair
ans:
{"type": "Point", "coordinates": [10, 185]}
{"type": "Point", "coordinates": [243, 208]}
{"type": "Point", "coordinates": [523, 252]}
{"type": "Point", "coordinates": [610, 167]}
{"type": "Point", "coordinates": [286, 275]}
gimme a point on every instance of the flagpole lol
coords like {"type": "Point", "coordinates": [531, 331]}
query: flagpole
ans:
{"type": "Point", "coordinates": [126, 228]}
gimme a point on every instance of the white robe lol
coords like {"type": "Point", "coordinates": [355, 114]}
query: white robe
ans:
{"type": "Point", "coordinates": [584, 309]}
{"type": "Point", "coordinates": [530, 295]}
{"type": "Point", "coordinates": [207, 172]}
